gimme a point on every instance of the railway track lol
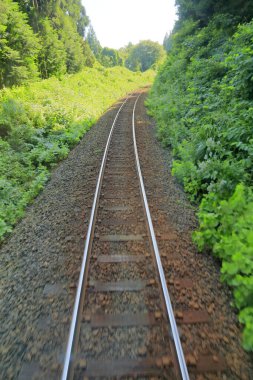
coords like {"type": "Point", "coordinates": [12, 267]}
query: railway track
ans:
{"type": "Point", "coordinates": [123, 323]}
{"type": "Point", "coordinates": [121, 327]}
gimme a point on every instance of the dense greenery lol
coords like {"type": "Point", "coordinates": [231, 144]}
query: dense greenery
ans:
{"type": "Point", "coordinates": [41, 39]}
{"type": "Point", "coordinates": [203, 10]}
{"type": "Point", "coordinates": [108, 57]}
{"type": "Point", "coordinates": [202, 100]}
{"type": "Point", "coordinates": [18, 46]}
{"type": "Point", "coordinates": [93, 42]}
{"type": "Point", "coordinates": [39, 124]}
{"type": "Point", "coordinates": [144, 55]}
{"type": "Point", "coordinates": [140, 57]}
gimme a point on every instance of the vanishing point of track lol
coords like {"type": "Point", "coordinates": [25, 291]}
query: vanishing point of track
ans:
{"type": "Point", "coordinates": [123, 323]}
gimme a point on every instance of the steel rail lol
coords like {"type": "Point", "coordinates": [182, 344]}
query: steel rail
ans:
{"type": "Point", "coordinates": [71, 339]}
{"type": "Point", "coordinates": [175, 334]}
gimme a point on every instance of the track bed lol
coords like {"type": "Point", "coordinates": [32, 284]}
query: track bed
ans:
{"type": "Point", "coordinates": [123, 329]}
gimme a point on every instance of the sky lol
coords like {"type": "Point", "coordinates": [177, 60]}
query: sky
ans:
{"type": "Point", "coordinates": [118, 22]}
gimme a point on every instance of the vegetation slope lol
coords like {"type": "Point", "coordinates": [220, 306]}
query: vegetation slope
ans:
{"type": "Point", "coordinates": [44, 48]}
{"type": "Point", "coordinates": [40, 122]}
{"type": "Point", "coordinates": [202, 100]}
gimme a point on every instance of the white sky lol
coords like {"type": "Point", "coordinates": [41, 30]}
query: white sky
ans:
{"type": "Point", "coordinates": [117, 22]}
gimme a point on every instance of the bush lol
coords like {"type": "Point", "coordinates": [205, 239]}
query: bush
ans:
{"type": "Point", "coordinates": [226, 226]}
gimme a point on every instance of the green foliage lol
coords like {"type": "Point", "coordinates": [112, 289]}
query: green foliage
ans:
{"type": "Point", "coordinates": [41, 122]}
{"type": "Point", "coordinates": [55, 10]}
{"type": "Point", "coordinates": [75, 59]}
{"type": "Point", "coordinates": [204, 10]}
{"type": "Point", "coordinates": [43, 38]}
{"type": "Point", "coordinates": [18, 46]}
{"type": "Point", "coordinates": [226, 226]}
{"type": "Point", "coordinates": [89, 56]}
{"type": "Point", "coordinates": [246, 317]}
{"type": "Point", "coordinates": [125, 51]}
{"type": "Point", "coordinates": [52, 55]}
{"type": "Point", "coordinates": [106, 56]}
{"type": "Point", "coordinates": [202, 100]}
{"type": "Point", "coordinates": [94, 43]}
{"type": "Point", "coordinates": [144, 55]}
{"type": "Point", "coordinates": [110, 57]}
{"type": "Point", "coordinates": [65, 19]}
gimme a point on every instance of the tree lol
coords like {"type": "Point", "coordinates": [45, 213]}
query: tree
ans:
{"type": "Point", "coordinates": [89, 56]}
{"type": "Point", "coordinates": [42, 37]}
{"type": "Point", "coordinates": [203, 10]}
{"type": "Point", "coordinates": [37, 9]}
{"type": "Point", "coordinates": [94, 42]}
{"type": "Point", "coordinates": [67, 23]}
{"type": "Point", "coordinates": [144, 55]}
{"type": "Point", "coordinates": [124, 52]}
{"type": "Point", "coordinates": [106, 56]}
{"type": "Point", "coordinates": [72, 42]}
{"type": "Point", "coordinates": [19, 46]}
{"type": "Point", "coordinates": [167, 42]}
{"type": "Point", "coordinates": [52, 55]}
{"type": "Point", "coordinates": [110, 57]}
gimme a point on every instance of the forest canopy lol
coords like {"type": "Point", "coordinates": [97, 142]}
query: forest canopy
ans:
{"type": "Point", "coordinates": [144, 55]}
{"type": "Point", "coordinates": [140, 57]}
{"type": "Point", "coordinates": [204, 10]}
{"type": "Point", "coordinates": [41, 39]}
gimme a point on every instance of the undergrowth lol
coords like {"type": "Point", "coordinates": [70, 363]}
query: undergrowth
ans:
{"type": "Point", "coordinates": [202, 100]}
{"type": "Point", "coordinates": [42, 121]}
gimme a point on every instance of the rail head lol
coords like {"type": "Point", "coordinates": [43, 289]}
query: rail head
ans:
{"type": "Point", "coordinates": [174, 330]}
